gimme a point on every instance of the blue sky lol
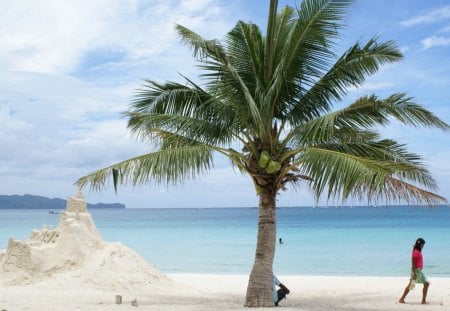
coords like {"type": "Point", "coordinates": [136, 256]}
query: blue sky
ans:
{"type": "Point", "coordinates": [69, 68]}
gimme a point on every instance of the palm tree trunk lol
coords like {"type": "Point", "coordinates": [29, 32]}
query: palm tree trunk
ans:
{"type": "Point", "coordinates": [259, 290]}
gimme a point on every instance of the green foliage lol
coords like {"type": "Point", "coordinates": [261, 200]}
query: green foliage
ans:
{"type": "Point", "coordinates": [272, 97]}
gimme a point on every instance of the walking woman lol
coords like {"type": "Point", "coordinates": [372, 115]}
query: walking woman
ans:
{"type": "Point", "coordinates": [417, 275]}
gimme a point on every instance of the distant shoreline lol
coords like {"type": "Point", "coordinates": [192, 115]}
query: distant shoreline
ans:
{"type": "Point", "coordinates": [29, 201]}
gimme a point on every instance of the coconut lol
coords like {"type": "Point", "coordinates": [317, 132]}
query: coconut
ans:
{"type": "Point", "coordinates": [273, 167]}
{"type": "Point", "coordinates": [263, 159]}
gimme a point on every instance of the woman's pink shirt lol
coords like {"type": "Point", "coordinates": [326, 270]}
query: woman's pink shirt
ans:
{"type": "Point", "coordinates": [419, 259]}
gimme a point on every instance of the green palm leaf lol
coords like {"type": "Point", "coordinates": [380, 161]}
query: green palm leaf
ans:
{"type": "Point", "coordinates": [346, 175]}
{"type": "Point", "coordinates": [305, 50]}
{"type": "Point", "coordinates": [350, 70]}
{"type": "Point", "coordinates": [366, 112]}
{"type": "Point", "coordinates": [166, 166]}
{"type": "Point", "coordinates": [222, 70]}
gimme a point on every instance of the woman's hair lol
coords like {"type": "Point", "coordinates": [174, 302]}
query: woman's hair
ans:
{"type": "Point", "coordinates": [419, 244]}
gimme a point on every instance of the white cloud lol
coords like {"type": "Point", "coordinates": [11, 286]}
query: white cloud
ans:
{"type": "Point", "coordinates": [433, 16]}
{"type": "Point", "coordinates": [60, 116]}
{"type": "Point", "coordinates": [10, 124]}
{"type": "Point", "coordinates": [53, 36]}
{"type": "Point", "coordinates": [434, 41]}
{"type": "Point", "coordinates": [50, 36]}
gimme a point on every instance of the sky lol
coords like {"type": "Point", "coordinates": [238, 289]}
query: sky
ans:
{"type": "Point", "coordinates": [69, 68]}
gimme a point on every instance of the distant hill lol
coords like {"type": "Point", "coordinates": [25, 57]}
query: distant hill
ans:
{"type": "Point", "coordinates": [29, 201]}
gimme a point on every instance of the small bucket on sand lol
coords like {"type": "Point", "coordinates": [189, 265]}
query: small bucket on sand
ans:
{"type": "Point", "coordinates": [118, 299]}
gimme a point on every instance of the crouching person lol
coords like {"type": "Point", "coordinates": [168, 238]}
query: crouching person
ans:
{"type": "Point", "coordinates": [279, 294]}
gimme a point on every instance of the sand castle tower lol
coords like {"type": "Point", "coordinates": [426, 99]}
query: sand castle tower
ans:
{"type": "Point", "coordinates": [52, 249]}
{"type": "Point", "coordinates": [74, 248]}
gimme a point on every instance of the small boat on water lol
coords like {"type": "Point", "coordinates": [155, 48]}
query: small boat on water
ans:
{"type": "Point", "coordinates": [52, 212]}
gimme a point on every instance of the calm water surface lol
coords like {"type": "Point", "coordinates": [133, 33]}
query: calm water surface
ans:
{"type": "Point", "coordinates": [317, 241]}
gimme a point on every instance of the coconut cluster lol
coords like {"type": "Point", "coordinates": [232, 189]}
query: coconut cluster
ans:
{"type": "Point", "coordinates": [271, 166]}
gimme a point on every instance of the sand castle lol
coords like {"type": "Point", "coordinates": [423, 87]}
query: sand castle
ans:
{"type": "Point", "coordinates": [75, 250]}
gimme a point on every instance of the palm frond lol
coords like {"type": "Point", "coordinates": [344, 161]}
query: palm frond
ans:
{"type": "Point", "coordinates": [385, 150]}
{"type": "Point", "coordinates": [245, 51]}
{"type": "Point", "coordinates": [185, 110]}
{"type": "Point", "coordinates": [175, 98]}
{"type": "Point", "coordinates": [274, 82]}
{"type": "Point", "coordinates": [351, 69]}
{"type": "Point", "coordinates": [395, 189]}
{"type": "Point", "coordinates": [148, 126]}
{"type": "Point", "coordinates": [345, 175]}
{"type": "Point", "coordinates": [310, 41]}
{"type": "Point", "coordinates": [270, 46]}
{"type": "Point", "coordinates": [364, 113]}
{"type": "Point", "coordinates": [202, 48]}
{"type": "Point", "coordinates": [305, 52]}
{"type": "Point", "coordinates": [221, 70]}
{"type": "Point", "coordinates": [167, 166]}
{"type": "Point", "coordinates": [405, 110]}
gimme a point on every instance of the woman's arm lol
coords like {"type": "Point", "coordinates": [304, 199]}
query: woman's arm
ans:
{"type": "Point", "coordinates": [413, 267]}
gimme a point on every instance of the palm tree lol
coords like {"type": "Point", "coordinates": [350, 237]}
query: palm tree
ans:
{"type": "Point", "coordinates": [266, 104]}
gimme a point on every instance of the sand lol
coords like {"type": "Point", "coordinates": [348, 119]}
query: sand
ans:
{"type": "Point", "coordinates": [225, 292]}
{"type": "Point", "coordinates": [71, 267]}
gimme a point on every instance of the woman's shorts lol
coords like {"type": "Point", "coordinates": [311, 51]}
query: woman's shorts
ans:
{"type": "Point", "coordinates": [420, 277]}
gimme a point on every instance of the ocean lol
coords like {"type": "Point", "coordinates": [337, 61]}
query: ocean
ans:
{"type": "Point", "coordinates": [364, 241]}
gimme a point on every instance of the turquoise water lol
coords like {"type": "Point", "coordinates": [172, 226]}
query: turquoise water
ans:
{"type": "Point", "coordinates": [317, 241]}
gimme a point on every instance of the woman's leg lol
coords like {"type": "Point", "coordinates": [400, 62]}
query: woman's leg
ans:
{"type": "Point", "coordinates": [425, 291]}
{"type": "Point", "coordinates": [405, 292]}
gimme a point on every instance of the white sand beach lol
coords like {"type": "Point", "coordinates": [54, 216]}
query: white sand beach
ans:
{"type": "Point", "coordinates": [71, 267]}
{"type": "Point", "coordinates": [223, 292]}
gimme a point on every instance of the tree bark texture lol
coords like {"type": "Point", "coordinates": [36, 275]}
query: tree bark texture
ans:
{"type": "Point", "coordinates": [259, 290]}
